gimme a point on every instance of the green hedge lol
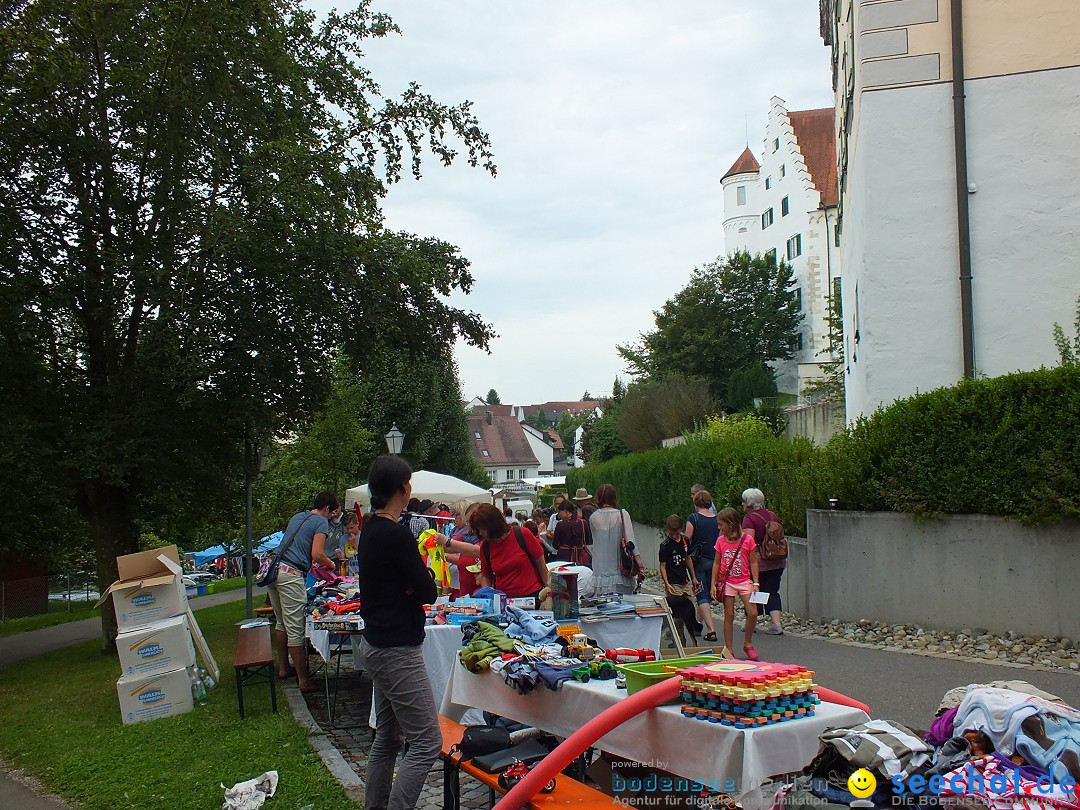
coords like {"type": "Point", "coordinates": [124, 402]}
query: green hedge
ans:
{"type": "Point", "coordinates": [656, 483]}
{"type": "Point", "coordinates": [1006, 446]}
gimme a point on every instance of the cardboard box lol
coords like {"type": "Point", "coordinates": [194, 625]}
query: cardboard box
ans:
{"type": "Point", "coordinates": [161, 695]}
{"type": "Point", "coordinates": [148, 590]}
{"type": "Point", "coordinates": [160, 646]}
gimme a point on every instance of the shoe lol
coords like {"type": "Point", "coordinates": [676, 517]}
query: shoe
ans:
{"type": "Point", "coordinates": [710, 636]}
{"type": "Point", "coordinates": [773, 630]}
{"type": "Point", "coordinates": [751, 653]}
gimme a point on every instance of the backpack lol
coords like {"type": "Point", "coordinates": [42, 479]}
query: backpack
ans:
{"type": "Point", "coordinates": [773, 543]}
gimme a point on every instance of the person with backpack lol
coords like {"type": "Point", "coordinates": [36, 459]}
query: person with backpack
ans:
{"type": "Point", "coordinates": [764, 526]}
{"type": "Point", "coordinates": [511, 558]}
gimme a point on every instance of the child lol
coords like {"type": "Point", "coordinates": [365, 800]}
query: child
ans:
{"type": "Point", "coordinates": [735, 573]}
{"type": "Point", "coordinates": [680, 582]}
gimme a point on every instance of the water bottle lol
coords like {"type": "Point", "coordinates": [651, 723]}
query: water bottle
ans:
{"type": "Point", "coordinates": [198, 687]}
{"type": "Point", "coordinates": [208, 679]}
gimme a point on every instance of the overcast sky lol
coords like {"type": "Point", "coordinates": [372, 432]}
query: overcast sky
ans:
{"type": "Point", "coordinates": [612, 123]}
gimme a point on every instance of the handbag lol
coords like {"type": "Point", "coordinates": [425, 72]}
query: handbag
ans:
{"type": "Point", "coordinates": [580, 555]}
{"type": "Point", "coordinates": [630, 562]}
{"type": "Point", "coordinates": [731, 565]}
{"type": "Point", "coordinates": [477, 741]}
{"type": "Point", "coordinates": [268, 570]}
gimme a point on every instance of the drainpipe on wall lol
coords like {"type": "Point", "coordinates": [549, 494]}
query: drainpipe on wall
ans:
{"type": "Point", "coordinates": [963, 220]}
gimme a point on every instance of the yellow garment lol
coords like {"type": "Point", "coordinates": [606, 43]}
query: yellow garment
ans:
{"type": "Point", "coordinates": [434, 554]}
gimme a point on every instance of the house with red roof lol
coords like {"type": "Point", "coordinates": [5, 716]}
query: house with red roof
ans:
{"type": "Point", "coordinates": [499, 443]}
{"type": "Point", "coordinates": [785, 205]}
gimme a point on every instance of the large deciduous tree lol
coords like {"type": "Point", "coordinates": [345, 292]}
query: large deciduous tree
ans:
{"type": "Point", "coordinates": [188, 199]}
{"type": "Point", "coordinates": [735, 313]}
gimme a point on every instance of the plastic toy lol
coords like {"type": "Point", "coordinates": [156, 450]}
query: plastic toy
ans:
{"type": "Point", "coordinates": [582, 673]}
{"type": "Point", "coordinates": [434, 554]}
{"type": "Point", "coordinates": [602, 669]}
{"type": "Point", "coordinates": [626, 655]}
{"type": "Point", "coordinates": [516, 772]}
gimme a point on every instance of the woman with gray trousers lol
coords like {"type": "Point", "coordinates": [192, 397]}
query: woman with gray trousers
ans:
{"type": "Point", "coordinates": [394, 586]}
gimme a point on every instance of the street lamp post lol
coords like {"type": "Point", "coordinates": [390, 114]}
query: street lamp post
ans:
{"type": "Point", "coordinates": [394, 440]}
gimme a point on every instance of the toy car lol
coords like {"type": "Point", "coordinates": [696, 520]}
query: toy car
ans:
{"type": "Point", "coordinates": [516, 772]}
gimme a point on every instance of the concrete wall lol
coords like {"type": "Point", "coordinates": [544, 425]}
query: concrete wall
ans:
{"type": "Point", "coordinates": [818, 422]}
{"type": "Point", "coordinates": [959, 571]}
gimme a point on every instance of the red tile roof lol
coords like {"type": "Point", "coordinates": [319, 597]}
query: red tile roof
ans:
{"type": "Point", "coordinates": [555, 439]}
{"type": "Point", "coordinates": [815, 132]}
{"type": "Point", "coordinates": [501, 410]}
{"type": "Point", "coordinates": [746, 163]}
{"type": "Point", "coordinates": [553, 408]}
{"type": "Point", "coordinates": [504, 439]}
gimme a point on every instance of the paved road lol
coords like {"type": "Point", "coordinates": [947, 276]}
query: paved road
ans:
{"type": "Point", "coordinates": [898, 686]}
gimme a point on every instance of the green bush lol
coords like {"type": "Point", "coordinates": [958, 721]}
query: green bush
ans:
{"type": "Point", "coordinates": [1004, 446]}
{"type": "Point", "coordinates": [1007, 446]}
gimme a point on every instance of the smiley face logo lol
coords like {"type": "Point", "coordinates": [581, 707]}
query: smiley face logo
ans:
{"type": "Point", "coordinates": [862, 783]}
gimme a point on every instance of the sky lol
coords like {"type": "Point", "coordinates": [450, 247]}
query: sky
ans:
{"type": "Point", "coordinates": [612, 122]}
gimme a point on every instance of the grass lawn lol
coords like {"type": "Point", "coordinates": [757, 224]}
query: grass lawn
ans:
{"type": "Point", "coordinates": [59, 719]}
{"type": "Point", "coordinates": [232, 584]}
{"type": "Point", "coordinates": [58, 614]}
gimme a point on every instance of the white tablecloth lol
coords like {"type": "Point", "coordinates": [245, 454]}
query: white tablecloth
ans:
{"type": "Point", "coordinates": [442, 642]}
{"type": "Point", "coordinates": [691, 748]}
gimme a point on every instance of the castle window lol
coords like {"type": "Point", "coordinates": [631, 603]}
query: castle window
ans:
{"type": "Point", "coordinates": [768, 182]}
{"type": "Point", "coordinates": [766, 219]}
{"type": "Point", "coordinates": [740, 195]}
{"type": "Point", "coordinates": [785, 207]}
{"type": "Point", "coordinates": [794, 246]}
{"type": "Point", "coordinates": [783, 171]}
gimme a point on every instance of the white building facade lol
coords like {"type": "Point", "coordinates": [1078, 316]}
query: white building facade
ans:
{"type": "Point", "coordinates": [903, 197]}
{"type": "Point", "coordinates": [785, 206]}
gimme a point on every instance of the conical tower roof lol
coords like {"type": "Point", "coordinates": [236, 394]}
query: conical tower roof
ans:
{"type": "Point", "coordinates": [746, 163]}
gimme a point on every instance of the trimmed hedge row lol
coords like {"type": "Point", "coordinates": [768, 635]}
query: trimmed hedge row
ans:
{"type": "Point", "coordinates": [1006, 446]}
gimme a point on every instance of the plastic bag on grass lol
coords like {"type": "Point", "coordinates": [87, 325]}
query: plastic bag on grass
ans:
{"type": "Point", "coordinates": [251, 794]}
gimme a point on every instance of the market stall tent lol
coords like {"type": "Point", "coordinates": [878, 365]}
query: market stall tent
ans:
{"type": "Point", "coordinates": [433, 485]}
{"type": "Point", "coordinates": [271, 541]}
{"type": "Point", "coordinates": [209, 554]}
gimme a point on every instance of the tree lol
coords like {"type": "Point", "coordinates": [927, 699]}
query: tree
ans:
{"type": "Point", "coordinates": [600, 439]}
{"type": "Point", "coordinates": [184, 195]}
{"type": "Point", "coordinates": [493, 397]}
{"type": "Point", "coordinates": [539, 420]}
{"type": "Point", "coordinates": [654, 410]}
{"type": "Point", "coordinates": [618, 390]}
{"type": "Point", "coordinates": [831, 386]}
{"type": "Point", "coordinates": [747, 384]}
{"type": "Point", "coordinates": [1069, 351]}
{"type": "Point", "coordinates": [734, 313]}
{"type": "Point", "coordinates": [567, 427]}
{"type": "Point", "coordinates": [587, 397]}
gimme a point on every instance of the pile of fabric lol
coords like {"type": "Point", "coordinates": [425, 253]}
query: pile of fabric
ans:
{"type": "Point", "coordinates": [1004, 745]}
{"type": "Point", "coordinates": [529, 653]}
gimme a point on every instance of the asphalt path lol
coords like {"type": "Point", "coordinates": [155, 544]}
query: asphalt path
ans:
{"type": "Point", "coordinates": [902, 687]}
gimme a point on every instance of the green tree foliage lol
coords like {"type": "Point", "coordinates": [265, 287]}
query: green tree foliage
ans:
{"type": "Point", "coordinates": [539, 420]}
{"type": "Point", "coordinates": [600, 440]}
{"type": "Point", "coordinates": [493, 397]}
{"type": "Point", "coordinates": [1069, 350]}
{"type": "Point", "coordinates": [735, 313]}
{"type": "Point", "coordinates": [658, 409]}
{"type": "Point", "coordinates": [185, 191]}
{"type": "Point", "coordinates": [618, 390]}
{"type": "Point", "coordinates": [831, 386]}
{"type": "Point", "coordinates": [747, 384]}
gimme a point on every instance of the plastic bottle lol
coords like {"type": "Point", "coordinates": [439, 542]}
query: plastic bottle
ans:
{"type": "Point", "coordinates": [208, 679]}
{"type": "Point", "coordinates": [198, 687]}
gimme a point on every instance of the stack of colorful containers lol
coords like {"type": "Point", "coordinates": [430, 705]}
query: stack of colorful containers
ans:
{"type": "Point", "coordinates": [748, 694]}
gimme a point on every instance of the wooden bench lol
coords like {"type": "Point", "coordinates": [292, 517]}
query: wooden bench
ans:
{"type": "Point", "coordinates": [254, 662]}
{"type": "Point", "coordinates": [567, 791]}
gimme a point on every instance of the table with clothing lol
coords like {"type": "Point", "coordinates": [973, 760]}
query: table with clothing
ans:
{"type": "Point", "coordinates": [690, 748]}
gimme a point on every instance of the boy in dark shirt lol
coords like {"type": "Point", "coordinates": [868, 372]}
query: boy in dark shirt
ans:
{"type": "Point", "coordinates": [680, 582]}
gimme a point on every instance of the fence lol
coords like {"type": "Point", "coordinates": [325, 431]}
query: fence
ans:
{"type": "Point", "coordinates": [52, 594]}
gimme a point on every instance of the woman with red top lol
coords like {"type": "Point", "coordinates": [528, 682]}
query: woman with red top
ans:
{"type": "Point", "coordinates": [735, 573]}
{"type": "Point", "coordinates": [511, 560]}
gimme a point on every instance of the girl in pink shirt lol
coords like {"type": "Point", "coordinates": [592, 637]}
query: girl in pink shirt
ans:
{"type": "Point", "coordinates": [735, 573]}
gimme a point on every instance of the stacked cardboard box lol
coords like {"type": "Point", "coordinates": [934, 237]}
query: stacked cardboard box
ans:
{"type": "Point", "coordinates": [157, 636]}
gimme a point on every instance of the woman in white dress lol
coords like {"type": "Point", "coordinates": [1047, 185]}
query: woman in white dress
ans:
{"type": "Point", "coordinates": [608, 523]}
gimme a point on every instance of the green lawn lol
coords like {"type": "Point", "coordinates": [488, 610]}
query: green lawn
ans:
{"type": "Point", "coordinates": [232, 584]}
{"type": "Point", "coordinates": [59, 719]}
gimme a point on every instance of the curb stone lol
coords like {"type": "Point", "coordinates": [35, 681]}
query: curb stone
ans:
{"type": "Point", "coordinates": [331, 757]}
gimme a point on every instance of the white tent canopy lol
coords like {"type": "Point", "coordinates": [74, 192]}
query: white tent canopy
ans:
{"type": "Point", "coordinates": [433, 485]}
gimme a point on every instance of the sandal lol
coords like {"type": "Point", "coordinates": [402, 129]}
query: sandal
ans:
{"type": "Point", "coordinates": [710, 636]}
{"type": "Point", "coordinates": [751, 653]}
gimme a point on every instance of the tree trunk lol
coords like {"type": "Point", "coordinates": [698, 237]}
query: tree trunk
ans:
{"type": "Point", "coordinates": [109, 510]}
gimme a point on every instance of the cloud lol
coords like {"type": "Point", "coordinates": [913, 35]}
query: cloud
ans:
{"type": "Point", "coordinates": [612, 123]}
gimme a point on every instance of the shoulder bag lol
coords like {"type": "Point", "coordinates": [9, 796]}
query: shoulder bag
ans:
{"type": "Point", "coordinates": [630, 562]}
{"type": "Point", "coordinates": [268, 570]}
{"type": "Point", "coordinates": [723, 583]}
